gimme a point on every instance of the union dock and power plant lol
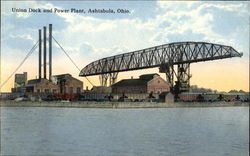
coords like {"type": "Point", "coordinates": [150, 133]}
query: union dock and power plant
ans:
{"type": "Point", "coordinates": [148, 90]}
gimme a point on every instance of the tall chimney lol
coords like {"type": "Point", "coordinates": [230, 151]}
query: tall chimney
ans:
{"type": "Point", "coordinates": [44, 51]}
{"type": "Point", "coordinates": [50, 51]}
{"type": "Point", "coordinates": [40, 53]}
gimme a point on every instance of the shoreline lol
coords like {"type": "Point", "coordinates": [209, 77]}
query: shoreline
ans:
{"type": "Point", "coordinates": [93, 104]}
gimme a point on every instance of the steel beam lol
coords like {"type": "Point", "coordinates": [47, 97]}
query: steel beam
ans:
{"type": "Point", "coordinates": [111, 77]}
{"type": "Point", "coordinates": [39, 54]}
{"type": "Point", "coordinates": [166, 57]}
{"type": "Point", "coordinates": [190, 52]}
{"type": "Point", "coordinates": [50, 51]}
{"type": "Point", "coordinates": [44, 52]}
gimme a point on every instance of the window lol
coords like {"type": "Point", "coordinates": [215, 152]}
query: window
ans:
{"type": "Point", "coordinates": [159, 81]}
{"type": "Point", "coordinates": [71, 90]}
{"type": "Point", "coordinates": [38, 90]}
{"type": "Point", "coordinates": [46, 90]}
{"type": "Point", "coordinates": [54, 91]}
{"type": "Point", "coordinates": [78, 90]}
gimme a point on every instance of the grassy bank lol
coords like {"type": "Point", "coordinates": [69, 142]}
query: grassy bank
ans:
{"type": "Point", "coordinates": [88, 104]}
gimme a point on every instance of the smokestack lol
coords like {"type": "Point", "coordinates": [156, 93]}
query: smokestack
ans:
{"type": "Point", "coordinates": [44, 51]}
{"type": "Point", "coordinates": [40, 53]}
{"type": "Point", "coordinates": [50, 51]}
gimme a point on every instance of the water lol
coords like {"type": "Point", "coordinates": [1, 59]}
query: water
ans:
{"type": "Point", "coordinates": [27, 131]}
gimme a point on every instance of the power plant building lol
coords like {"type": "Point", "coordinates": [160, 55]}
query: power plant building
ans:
{"type": "Point", "coordinates": [64, 84]}
{"type": "Point", "coordinates": [57, 84]}
{"type": "Point", "coordinates": [41, 86]}
{"type": "Point", "coordinates": [67, 84]}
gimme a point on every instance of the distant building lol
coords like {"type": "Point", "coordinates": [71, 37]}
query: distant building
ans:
{"type": "Point", "coordinates": [67, 84]}
{"type": "Point", "coordinates": [41, 86]}
{"type": "Point", "coordinates": [20, 80]}
{"type": "Point", "coordinates": [148, 83]}
{"type": "Point", "coordinates": [64, 83]}
{"type": "Point", "coordinates": [21, 89]}
{"type": "Point", "coordinates": [100, 90]}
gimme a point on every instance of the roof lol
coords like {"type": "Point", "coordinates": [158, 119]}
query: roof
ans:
{"type": "Point", "coordinates": [148, 76]}
{"type": "Point", "coordinates": [17, 75]}
{"type": "Point", "coordinates": [131, 82]}
{"type": "Point", "coordinates": [33, 82]}
{"type": "Point", "coordinates": [165, 93]}
{"type": "Point", "coordinates": [142, 81]}
{"type": "Point", "coordinates": [62, 76]}
{"type": "Point", "coordinates": [100, 89]}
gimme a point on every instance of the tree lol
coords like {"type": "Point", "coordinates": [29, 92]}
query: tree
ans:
{"type": "Point", "coordinates": [233, 91]}
{"type": "Point", "coordinates": [242, 91]}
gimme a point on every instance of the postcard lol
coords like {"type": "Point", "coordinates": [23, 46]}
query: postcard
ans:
{"type": "Point", "coordinates": [124, 78]}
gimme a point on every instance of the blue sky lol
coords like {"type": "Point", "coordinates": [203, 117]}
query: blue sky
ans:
{"type": "Point", "coordinates": [87, 37]}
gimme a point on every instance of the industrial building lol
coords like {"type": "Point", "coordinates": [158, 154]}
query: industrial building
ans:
{"type": "Point", "coordinates": [148, 83]}
{"type": "Point", "coordinates": [148, 86]}
{"type": "Point", "coordinates": [41, 86]}
{"type": "Point", "coordinates": [67, 84]}
{"type": "Point", "coordinates": [57, 84]}
{"type": "Point", "coordinates": [64, 83]}
{"type": "Point", "coordinates": [20, 80]}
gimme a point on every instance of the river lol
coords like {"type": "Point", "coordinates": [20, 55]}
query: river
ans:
{"type": "Point", "coordinates": [43, 131]}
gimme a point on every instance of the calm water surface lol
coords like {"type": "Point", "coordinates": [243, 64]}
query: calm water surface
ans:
{"type": "Point", "coordinates": [28, 131]}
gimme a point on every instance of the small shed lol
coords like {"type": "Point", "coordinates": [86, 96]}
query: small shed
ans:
{"type": "Point", "coordinates": [167, 97]}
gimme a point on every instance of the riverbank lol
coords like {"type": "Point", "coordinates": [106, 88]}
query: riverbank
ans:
{"type": "Point", "coordinates": [92, 104]}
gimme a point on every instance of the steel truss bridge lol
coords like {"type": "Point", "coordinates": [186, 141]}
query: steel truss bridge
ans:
{"type": "Point", "coordinates": [173, 59]}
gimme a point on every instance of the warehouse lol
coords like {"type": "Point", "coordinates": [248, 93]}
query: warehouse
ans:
{"type": "Point", "coordinates": [148, 83]}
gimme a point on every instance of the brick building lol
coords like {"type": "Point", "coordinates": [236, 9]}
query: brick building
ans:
{"type": "Point", "coordinates": [41, 86]}
{"type": "Point", "coordinates": [67, 84]}
{"type": "Point", "coordinates": [148, 83]}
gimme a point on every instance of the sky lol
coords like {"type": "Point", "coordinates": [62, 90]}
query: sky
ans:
{"type": "Point", "coordinates": [91, 36]}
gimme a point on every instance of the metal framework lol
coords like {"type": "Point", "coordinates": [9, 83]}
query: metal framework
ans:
{"type": "Point", "coordinates": [165, 57]}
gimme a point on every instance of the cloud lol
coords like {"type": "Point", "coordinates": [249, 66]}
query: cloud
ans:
{"type": "Point", "coordinates": [16, 9]}
{"type": "Point", "coordinates": [240, 9]}
{"type": "Point", "coordinates": [86, 48]}
{"type": "Point", "coordinates": [92, 25]}
{"type": "Point", "coordinates": [24, 36]}
{"type": "Point", "coordinates": [174, 5]}
{"type": "Point", "coordinates": [176, 21]}
{"type": "Point", "coordinates": [87, 38]}
{"type": "Point", "coordinates": [20, 42]}
{"type": "Point", "coordinates": [182, 17]}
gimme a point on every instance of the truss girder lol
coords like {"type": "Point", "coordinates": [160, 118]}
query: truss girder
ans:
{"type": "Point", "coordinates": [176, 53]}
